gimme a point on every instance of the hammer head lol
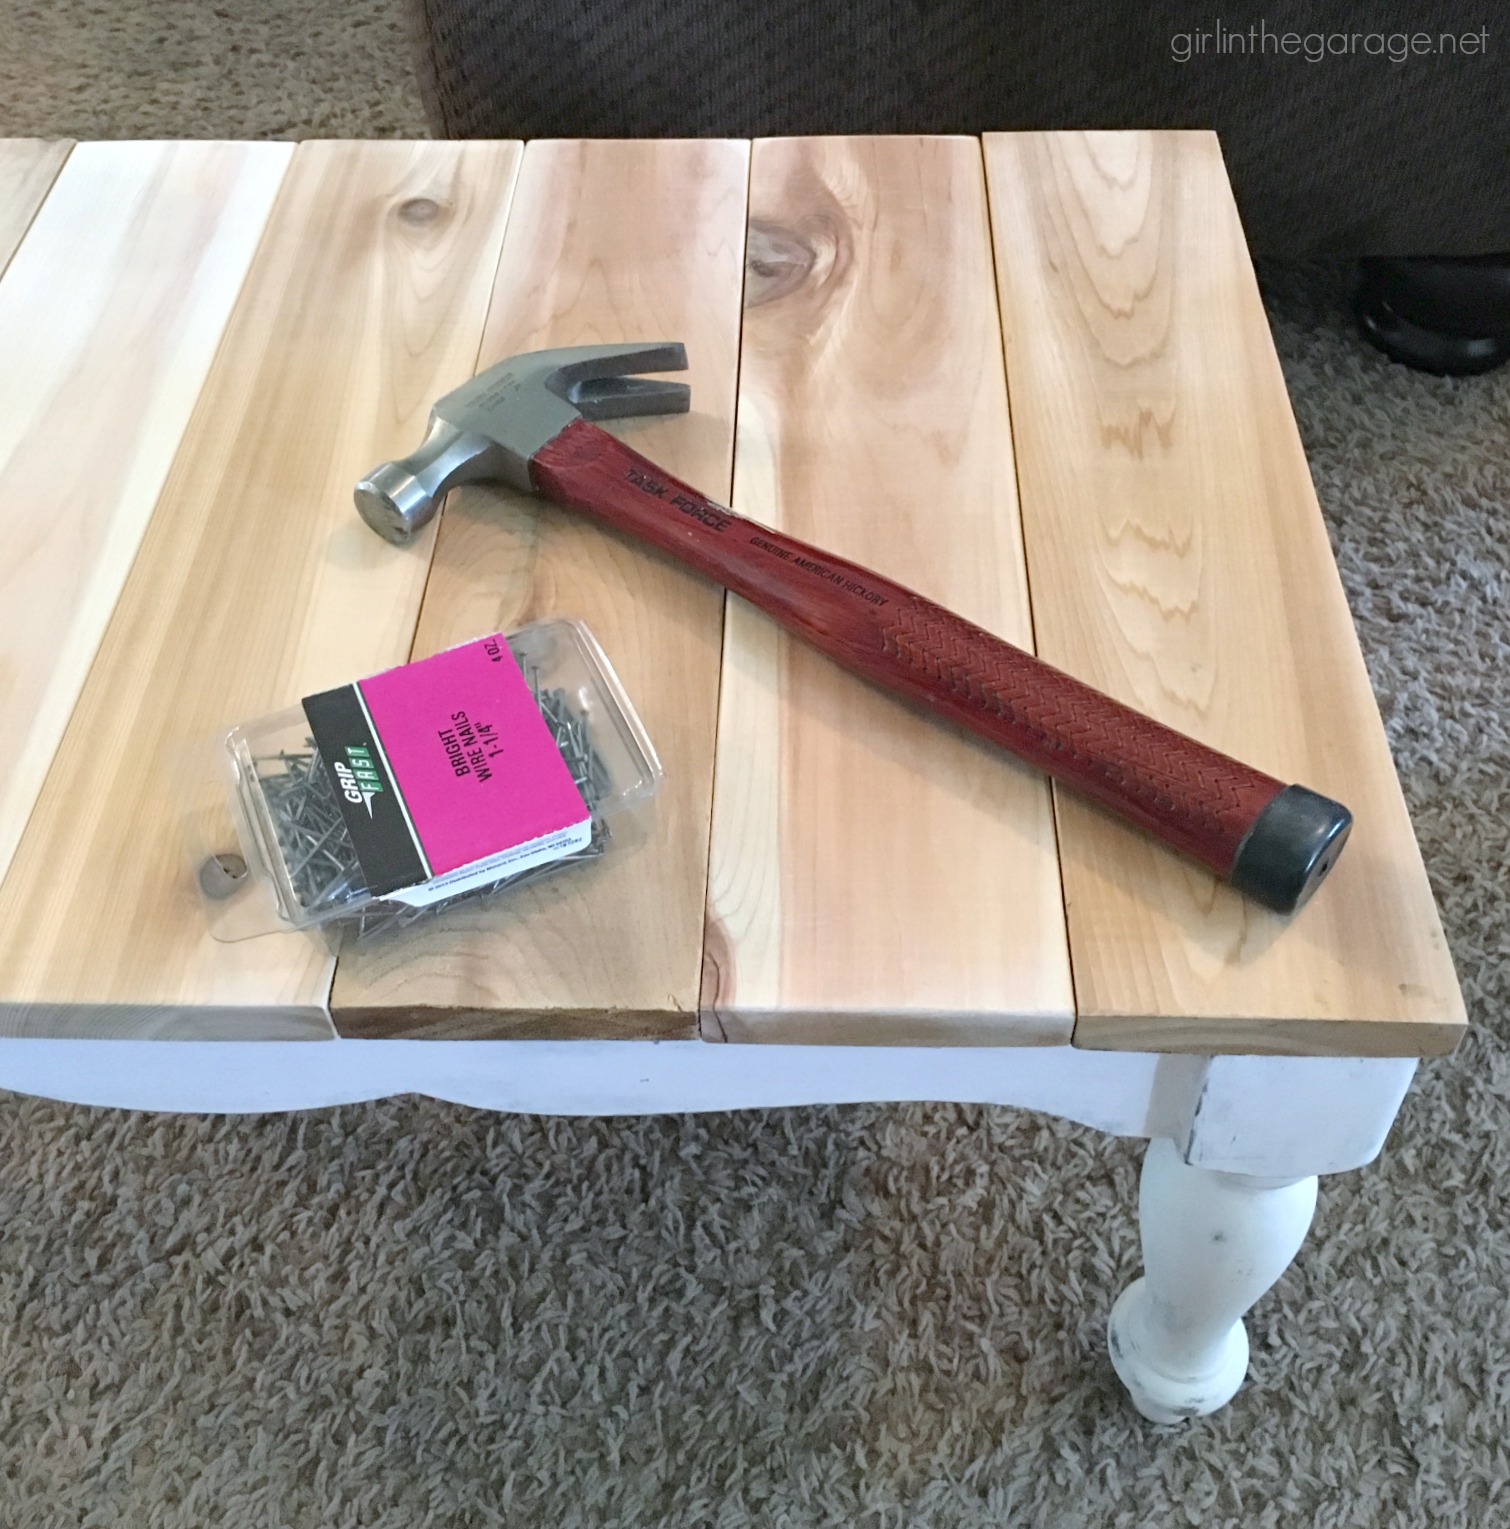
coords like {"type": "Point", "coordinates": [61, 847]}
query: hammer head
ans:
{"type": "Point", "coordinates": [491, 426]}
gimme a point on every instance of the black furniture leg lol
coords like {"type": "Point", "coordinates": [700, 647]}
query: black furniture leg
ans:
{"type": "Point", "coordinates": [1447, 315]}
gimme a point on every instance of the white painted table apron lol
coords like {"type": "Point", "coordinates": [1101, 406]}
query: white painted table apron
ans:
{"type": "Point", "coordinates": [1228, 1187]}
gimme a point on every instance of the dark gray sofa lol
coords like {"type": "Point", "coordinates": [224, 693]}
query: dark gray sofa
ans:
{"type": "Point", "coordinates": [1382, 149]}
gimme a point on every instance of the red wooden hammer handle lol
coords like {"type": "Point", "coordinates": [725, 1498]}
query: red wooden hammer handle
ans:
{"type": "Point", "coordinates": [1195, 799]}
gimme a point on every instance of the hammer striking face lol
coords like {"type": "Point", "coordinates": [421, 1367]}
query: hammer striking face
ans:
{"type": "Point", "coordinates": [492, 426]}
{"type": "Point", "coordinates": [527, 423]}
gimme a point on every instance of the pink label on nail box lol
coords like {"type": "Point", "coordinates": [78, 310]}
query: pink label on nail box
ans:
{"type": "Point", "coordinates": [472, 756]}
{"type": "Point", "coordinates": [473, 769]}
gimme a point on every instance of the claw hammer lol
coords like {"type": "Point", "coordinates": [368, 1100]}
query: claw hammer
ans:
{"type": "Point", "coordinates": [528, 422]}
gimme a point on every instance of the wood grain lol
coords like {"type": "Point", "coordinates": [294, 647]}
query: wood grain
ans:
{"type": "Point", "coordinates": [110, 312]}
{"type": "Point", "coordinates": [28, 167]}
{"type": "Point", "coordinates": [1179, 561]}
{"type": "Point", "coordinates": [255, 584]}
{"type": "Point", "coordinates": [608, 241]}
{"type": "Point", "coordinates": [876, 877]}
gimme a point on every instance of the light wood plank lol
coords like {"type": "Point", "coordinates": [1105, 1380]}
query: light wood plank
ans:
{"type": "Point", "coordinates": [255, 584]}
{"type": "Point", "coordinates": [110, 312]}
{"type": "Point", "coordinates": [876, 877]}
{"type": "Point", "coordinates": [1178, 560]}
{"type": "Point", "coordinates": [28, 167]}
{"type": "Point", "coordinates": [609, 241]}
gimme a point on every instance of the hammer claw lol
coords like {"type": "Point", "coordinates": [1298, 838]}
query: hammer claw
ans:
{"type": "Point", "coordinates": [599, 381]}
{"type": "Point", "coordinates": [623, 397]}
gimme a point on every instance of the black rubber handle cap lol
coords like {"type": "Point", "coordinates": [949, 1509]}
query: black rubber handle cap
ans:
{"type": "Point", "coordinates": [1293, 843]}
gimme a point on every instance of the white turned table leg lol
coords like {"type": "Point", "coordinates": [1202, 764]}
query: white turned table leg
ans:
{"type": "Point", "coordinates": [1213, 1243]}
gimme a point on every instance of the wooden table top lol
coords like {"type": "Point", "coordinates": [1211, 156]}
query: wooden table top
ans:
{"type": "Point", "coordinates": [1029, 376]}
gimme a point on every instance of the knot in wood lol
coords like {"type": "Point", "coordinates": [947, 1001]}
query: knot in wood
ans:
{"type": "Point", "coordinates": [418, 211]}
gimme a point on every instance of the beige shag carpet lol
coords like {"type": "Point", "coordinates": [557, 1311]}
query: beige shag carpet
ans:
{"type": "Point", "coordinates": [410, 1314]}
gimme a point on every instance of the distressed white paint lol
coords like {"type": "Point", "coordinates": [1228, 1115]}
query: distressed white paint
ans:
{"type": "Point", "coordinates": [1213, 1243]}
{"type": "Point", "coordinates": [1261, 1115]}
{"type": "Point", "coordinates": [1228, 1186]}
{"type": "Point", "coordinates": [1278, 1116]}
{"type": "Point", "coordinates": [1110, 1091]}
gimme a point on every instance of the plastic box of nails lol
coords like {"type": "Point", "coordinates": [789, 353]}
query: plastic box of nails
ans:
{"type": "Point", "coordinates": [355, 838]}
